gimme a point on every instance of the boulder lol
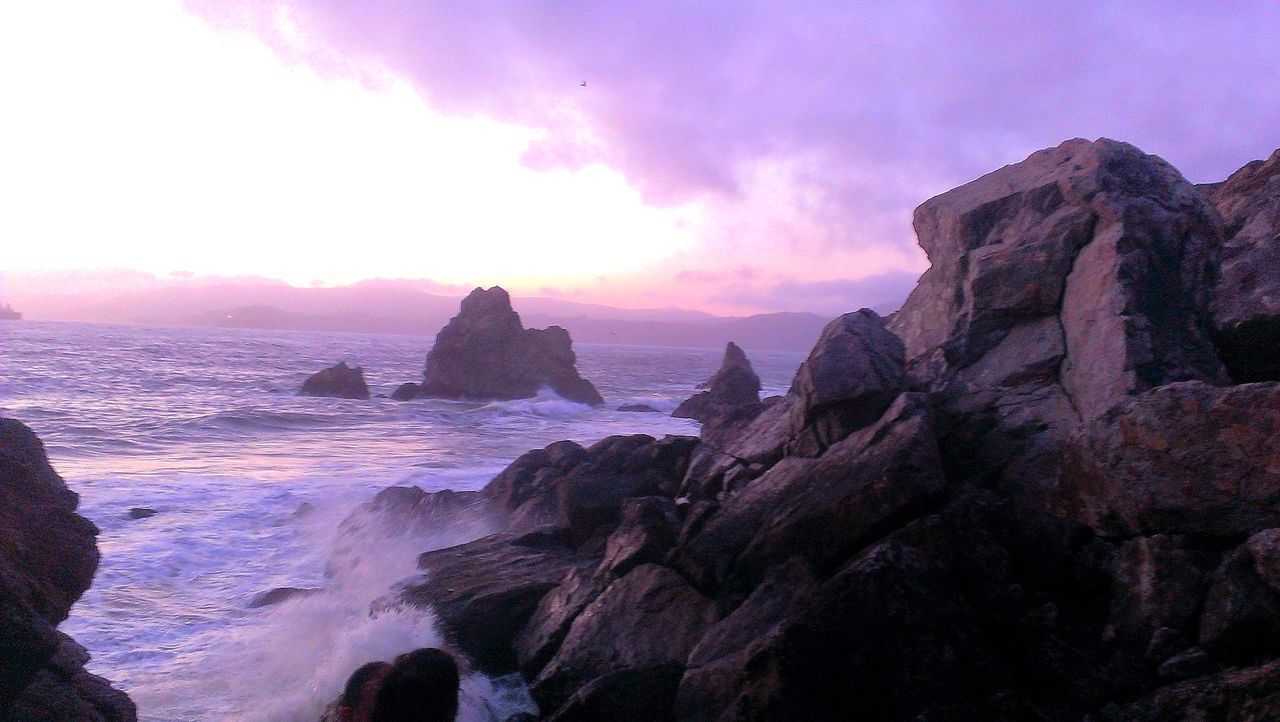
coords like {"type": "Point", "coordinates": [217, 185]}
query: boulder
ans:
{"type": "Point", "coordinates": [485, 591]}
{"type": "Point", "coordinates": [484, 353]}
{"type": "Point", "coordinates": [1241, 617]}
{"type": "Point", "coordinates": [1250, 694]}
{"type": "Point", "coordinates": [48, 555]}
{"type": "Point", "coordinates": [734, 386]}
{"type": "Point", "coordinates": [1159, 584]}
{"type": "Point", "coordinates": [1085, 269]}
{"type": "Point", "coordinates": [405, 392]}
{"type": "Point", "coordinates": [647, 618]}
{"type": "Point", "coordinates": [1187, 458]}
{"type": "Point", "coordinates": [340, 382]}
{"type": "Point", "coordinates": [646, 532]}
{"type": "Point", "coordinates": [638, 409]}
{"type": "Point", "coordinates": [1246, 304]}
{"type": "Point", "coordinates": [824, 509]}
{"type": "Point", "coordinates": [633, 694]}
{"type": "Point", "coordinates": [549, 624]}
{"type": "Point", "coordinates": [139, 512]}
{"type": "Point", "coordinates": [280, 595]}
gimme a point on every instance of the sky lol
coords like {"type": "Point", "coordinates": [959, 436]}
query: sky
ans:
{"type": "Point", "coordinates": [733, 157]}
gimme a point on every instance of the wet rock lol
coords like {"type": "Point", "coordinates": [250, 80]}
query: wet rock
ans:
{"type": "Point", "coordinates": [484, 353]}
{"type": "Point", "coordinates": [1246, 308]}
{"type": "Point", "coordinates": [140, 512]}
{"type": "Point", "coordinates": [405, 392]}
{"type": "Point", "coordinates": [620, 630]}
{"type": "Point", "coordinates": [549, 623]}
{"type": "Point", "coordinates": [48, 555]}
{"type": "Point", "coordinates": [639, 409]}
{"type": "Point", "coordinates": [634, 694]}
{"type": "Point", "coordinates": [340, 382]}
{"type": "Point", "coordinates": [734, 386]}
{"type": "Point", "coordinates": [1187, 458]}
{"type": "Point", "coordinates": [280, 595]}
{"type": "Point", "coordinates": [1085, 267]}
{"type": "Point", "coordinates": [484, 592]}
{"type": "Point", "coordinates": [646, 532]}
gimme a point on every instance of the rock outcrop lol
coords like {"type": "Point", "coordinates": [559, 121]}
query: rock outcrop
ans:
{"type": "Point", "coordinates": [1246, 309]}
{"type": "Point", "coordinates": [1036, 498]}
{"type": "Point", "coordinates": [48, 556]}
{"type": "Point", "coordinates": [734, 388]}
{"type": "Point", "coordinates": [484, 353]}
{"type": "Point", "coordinates": [339, 381]}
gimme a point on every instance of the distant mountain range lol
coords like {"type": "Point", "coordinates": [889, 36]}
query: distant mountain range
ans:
{"type": "Point", "coordinates": [395, 307]}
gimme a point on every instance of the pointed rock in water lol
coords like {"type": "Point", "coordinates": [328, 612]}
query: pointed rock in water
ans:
{"type": "Point", "coordinates": [1246, 307]}
{"type": "Point", "coordinates": [485, 354]}
{"type": "Point", "coordinates": [48, 556]}
{"type": "Point", "coordinates": [734, 386]}
{"type": "Point", "coordinates": [340, 381]}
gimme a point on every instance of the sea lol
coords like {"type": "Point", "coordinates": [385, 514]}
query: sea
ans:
{"type": "Point", "coordinates": [250, 484]}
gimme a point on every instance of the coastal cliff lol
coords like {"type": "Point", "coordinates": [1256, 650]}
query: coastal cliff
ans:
{"type": "Point", "coordinates": [48, 556]}
{"type": "Point", "coordinates": [1033, 494]}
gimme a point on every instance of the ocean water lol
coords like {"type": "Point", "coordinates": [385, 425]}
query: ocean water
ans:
{"type": "Point", "coordinates": [202, 426]}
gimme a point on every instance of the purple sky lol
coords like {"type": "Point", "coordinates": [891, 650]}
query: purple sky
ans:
{"type": "Point", "coordinates": [854, 113]}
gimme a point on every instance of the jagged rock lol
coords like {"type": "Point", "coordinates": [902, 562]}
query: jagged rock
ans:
{"type": "Point", "coordinates": [646, 532]}
{"type": "Point", "coordinates": [405, 392]}
{"type": "Point", "coordinates": [1246, 307]}
{"type": "Point", "coordinates": [733, 387]}
{"type": "Point", "coordinates": [1159, 584]}
{"type": "Point", "coordinates": [549, 624]}
{"type": "Point", "coordinates": [48, 555]}
{"type": "Point", "coordinates": [1264, 548]}
{"type": "Point", "coordinates": [647, 618]}
{"type": "Point", "coordinates": [1084, 269]}
{"type": "Point", "coordinates": [824, 508]}
{"type": "Point", "coordinates": [1187, 458]}
{"type": "Point", "coordinates": [484, 353]}
{"type": "Point", "coordinates": [485, 591]}
{"type": "Point", "coordinates": [340, 381]}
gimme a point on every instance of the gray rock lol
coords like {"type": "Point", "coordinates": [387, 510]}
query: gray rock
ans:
{"type": "Point", "coordinates": [733, 387]}
{"type": "Point", "coordinates": [340, 381]}
{"type": "Point", "coordinates": [1158, 583]}
{"type": "Point", "coordinates": [1241, 616]}
{"type": "Point", "coordinates": [484, 353]}
{"type": "Point", "coordinates": [405, 392]}
{"type": "Point", "coordinates": [140, 512]}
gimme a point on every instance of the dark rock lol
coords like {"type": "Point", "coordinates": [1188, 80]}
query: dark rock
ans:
{"type": "Point", "coordinates": [639, 409]}
{"type": "Point", "coordinates": [48, 555]}
{"type": "Point", "coordinates": [824, 508]}
{"type": "Point", "coordinates": [1264, 549]}
{"type": "Point", "coordinates": [1241, 617]}
{"type": "Point", "coordinates": [485, 591]}
{"type": "Point", "coordinates": [649, 617]}
{"type": "Point", "coordinates": [140, 512]}
{"type": "Point", "coordinates": [1158, 583]}
{"type": "Point", "coordinates": [549, 623]}
{"type": "Point", "coordinates": [1191, 663]}
{"type": "Point", "coordinates": [1235, 695]}
{"type": "Point", "coordinates": [1187, 458]}
{"type": "Point", "coordinates": [405, 392]}
{"type": "Point", "coordinates": [734, 386]}
{"type": "Point", "coordinates": [1246, 308]}
{"type": "Point", "coordinates": [1085, 268]}
{"type": "Point", "coordinates": [279, 595]}
{"type": "Point", "coordinates": [484, 353]}
{"type": "Point", "coordinates": [645, 533]}
{"type": "Point", "coordinates": [340, 381]}
{"type": "Point", "coordinates": [634, 694]}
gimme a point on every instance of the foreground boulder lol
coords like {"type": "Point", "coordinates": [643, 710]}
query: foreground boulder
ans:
{"type": "Point", "coordinates": [1246, 310]}
{"type": "Point", "coordinates": [484, 353]}
{"type": "Point", "coordinates": [735, 386]}
{"type": "Point", "coordinates": [48, 556]}
{"type": "Point", "coordinates": [340, 382]}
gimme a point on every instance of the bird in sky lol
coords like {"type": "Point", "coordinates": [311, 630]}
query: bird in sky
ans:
{"type": "Point", "coordinates": [584, 83]}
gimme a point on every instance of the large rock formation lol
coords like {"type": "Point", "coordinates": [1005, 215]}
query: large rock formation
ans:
{"type": "Point", "coordinates": [1247, 298]}
{"type": "Point", "coordinates": [339, 381]}
{"type": "Point", "coordinates": [48, 556]}
{"type": "Point", "coordinates": [1039, 501]}
{"type": "Point", "coordinates": [484, 353]}
{"type": "Point", "coordinates": [733, 388]}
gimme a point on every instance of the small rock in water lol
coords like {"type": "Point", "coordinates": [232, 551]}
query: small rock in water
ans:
{"type": "Point", "coordinates": [280, 594]}
{"type": "Point", "coordinates": [305, 509]}
{"type": "Point", "coordinates": [140, 512]}
{"type": "Point", "coordinates": [639, 408]}
{"type": "Point", "coordinates": [405, 392]}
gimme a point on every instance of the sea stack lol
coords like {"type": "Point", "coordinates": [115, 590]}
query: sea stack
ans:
{"type": "Point", "coordinates": [48, 555]}
{"type": "Point", "coordinates": [339, 382]}
{"type": "Point", "coordinates": [733, 387]}
{"type": "Point", "coordinates": [484, 354]}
